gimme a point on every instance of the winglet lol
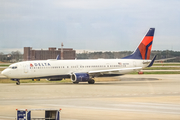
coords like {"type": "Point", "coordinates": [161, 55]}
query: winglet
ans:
{"type": "Point", "coordinates": [150, 64]}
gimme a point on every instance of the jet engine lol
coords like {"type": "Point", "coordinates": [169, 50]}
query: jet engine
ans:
{"type": "Point", "coordinates": [80, 77]}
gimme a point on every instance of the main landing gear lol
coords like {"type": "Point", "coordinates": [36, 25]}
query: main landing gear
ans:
{"type": "Point", "coordinates": [91, 81]}
{"type": "Point", "coordinates": [75, 82]}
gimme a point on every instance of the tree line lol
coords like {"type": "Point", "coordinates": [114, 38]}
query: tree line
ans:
{"type": "Point", "coordinates": [16, 56]}
{"type": "Point", "coordinates": [161, 54]}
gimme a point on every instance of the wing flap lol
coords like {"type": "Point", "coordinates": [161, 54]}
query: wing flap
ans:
{"type": "Point", "coordinates": [114, 70]}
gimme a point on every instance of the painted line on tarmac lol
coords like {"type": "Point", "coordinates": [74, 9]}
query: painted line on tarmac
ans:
{"type": "Point", "coordinates": [159, 104]}
{"type": "Point", "coordinates": [133, 109]}
{"type": "Point", "coordinates": [117, 95]}
{"type": "Point", "coordinates": [6, 117]}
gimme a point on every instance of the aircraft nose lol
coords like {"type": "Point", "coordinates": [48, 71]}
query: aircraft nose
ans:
{"type": "Point", "coordinates": [4, 72]}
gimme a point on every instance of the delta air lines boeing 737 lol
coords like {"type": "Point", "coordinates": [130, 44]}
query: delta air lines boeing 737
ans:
{"type": "Point", "coordinates": [83, 70]}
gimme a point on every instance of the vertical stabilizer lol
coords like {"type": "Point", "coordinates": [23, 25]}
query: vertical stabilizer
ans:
{"type": "Point", "coordinates": [144, 49]}
{"type": "Point", "coordinates": [58, 57]}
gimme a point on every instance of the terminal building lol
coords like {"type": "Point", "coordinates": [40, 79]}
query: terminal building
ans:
{"type": "Point", "coordinates": [51, 53]}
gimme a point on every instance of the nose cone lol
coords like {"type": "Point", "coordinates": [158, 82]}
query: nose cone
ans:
{"type": "Point", "coordinates": [4, 72]}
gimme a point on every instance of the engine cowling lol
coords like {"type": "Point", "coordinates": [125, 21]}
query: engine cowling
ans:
{"type": "Point", "coordinates": [80, 77]}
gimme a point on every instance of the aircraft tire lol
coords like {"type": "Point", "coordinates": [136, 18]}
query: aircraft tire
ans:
{"type": "Point", "coordinates": [75, 82]}
{"type": "Point", "coordinates": [18, 83]}
{"type": "Point", "coordinates": [91, 81]}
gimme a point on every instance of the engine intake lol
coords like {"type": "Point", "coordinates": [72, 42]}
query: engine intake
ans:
{"type": "Point", "coordinates": [80, 77]}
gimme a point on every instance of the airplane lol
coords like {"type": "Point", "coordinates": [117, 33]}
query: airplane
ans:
{"type": "Point", "coordinates": [83, 70]}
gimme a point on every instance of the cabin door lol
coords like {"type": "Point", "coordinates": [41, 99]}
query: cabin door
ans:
{"type": "Point", "coordinates": [25, 68]}
{"type": "Point", "coordinates": [134, 63]}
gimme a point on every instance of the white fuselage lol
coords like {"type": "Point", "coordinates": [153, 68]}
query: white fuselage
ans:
{"type": "Point", "coordinates": [50, 68]}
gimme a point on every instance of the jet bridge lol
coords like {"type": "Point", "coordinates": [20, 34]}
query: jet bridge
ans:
{"type": "Point", "coordinates": [38, 114]}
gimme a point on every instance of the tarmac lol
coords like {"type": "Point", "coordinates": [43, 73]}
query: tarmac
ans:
{"type": "Point", "coordinates": [142, 97]}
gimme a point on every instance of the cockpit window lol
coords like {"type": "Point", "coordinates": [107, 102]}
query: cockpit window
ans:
{"type": "Point", "coordinates": [13, 67]}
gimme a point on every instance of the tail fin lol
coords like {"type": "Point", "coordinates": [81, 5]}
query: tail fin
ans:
{"type": "Point", "coordinates": [58, 57]}
{"type": "Point", "coordinates": [144, 49]}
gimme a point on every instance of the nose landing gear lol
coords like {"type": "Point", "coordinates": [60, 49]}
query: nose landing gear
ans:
{"type": "Point", "coordinates": [17, 82]}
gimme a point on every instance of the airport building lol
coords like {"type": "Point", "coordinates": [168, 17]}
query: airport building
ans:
{"type": "Point", "coordinates": [51, 53]}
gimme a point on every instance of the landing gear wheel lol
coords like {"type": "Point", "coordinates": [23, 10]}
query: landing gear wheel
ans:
{"type": "Point", "coordinates": [17, 82]}
{"type": "Point", "coordinates": [91, 81]}
{"type": "Point", "coordinates": [75, 82]}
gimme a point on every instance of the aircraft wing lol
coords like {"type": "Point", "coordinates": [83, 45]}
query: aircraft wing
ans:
{"type": "Point", "coordinates": [114, 70]}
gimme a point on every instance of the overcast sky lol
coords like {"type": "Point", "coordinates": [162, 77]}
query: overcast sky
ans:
{"type": "Point", "coordinates": [107, 25]}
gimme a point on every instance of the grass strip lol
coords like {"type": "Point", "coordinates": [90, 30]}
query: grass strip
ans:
{"type": "Point", "coordinates": [100, 79]}
{"type": "Point", "coordinates": [1, 69]}
{"type": "Point", "coordinates": [162, 68]}
{"type": "Point", "coordinates": [4, 65]}
{"type": "Point", "coordinates": [158, 72]}
{"type": "Point", "coordinates": [30, 81]}
{"type": "Point", "coordinates": [166, 64]}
